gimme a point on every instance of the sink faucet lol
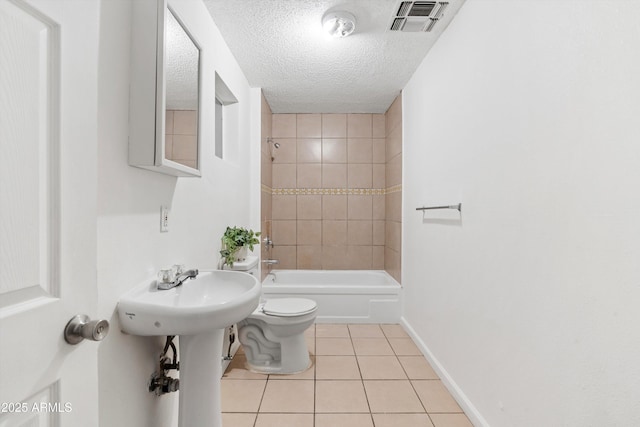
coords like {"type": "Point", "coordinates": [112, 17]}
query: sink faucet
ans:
{"type": "Point", "coordinates": [179, 280]}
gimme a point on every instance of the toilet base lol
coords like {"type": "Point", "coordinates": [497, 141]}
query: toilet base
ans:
{"type": "Point", "coordinates": [274, 368]}
{"type": "Point", "coordinates": [270, 354]}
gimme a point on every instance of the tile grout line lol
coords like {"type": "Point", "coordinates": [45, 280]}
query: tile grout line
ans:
{"type": "Point", "coordinates": [410, 382]}
{"type": "Point", "coordinates": [366, 396]}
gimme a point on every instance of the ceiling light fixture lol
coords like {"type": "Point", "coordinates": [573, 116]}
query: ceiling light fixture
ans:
{"type": "Point", "coordinates": [339, 24]}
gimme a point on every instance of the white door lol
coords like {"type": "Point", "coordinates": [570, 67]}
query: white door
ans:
{"type": "Point", "coordinates": [48, 91]}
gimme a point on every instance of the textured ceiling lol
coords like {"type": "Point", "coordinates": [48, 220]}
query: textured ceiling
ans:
{"type": "Point", "coordinates": [281, 48]}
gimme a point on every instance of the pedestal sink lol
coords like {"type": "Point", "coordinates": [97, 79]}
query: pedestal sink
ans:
{"type": "Point", "coordinates": [197, 311]}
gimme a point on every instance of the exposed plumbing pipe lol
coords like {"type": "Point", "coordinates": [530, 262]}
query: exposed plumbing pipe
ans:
{"type": "Point", "coordinates": [160, 383]}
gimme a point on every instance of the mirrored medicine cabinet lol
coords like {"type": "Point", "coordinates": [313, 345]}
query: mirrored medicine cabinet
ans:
{"type": "Point", "coordinates": [165, 91]}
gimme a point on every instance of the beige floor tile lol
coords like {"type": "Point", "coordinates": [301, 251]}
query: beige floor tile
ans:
{"type": "Point", "coordinates": [435, 397]}
{"type": "Point", "coordinates": [324, 330]}
{"type": "Point", "coordinates": [341, 396]}
{"type": "Point", "coordinates": [365, 331]}
{"type": "Point", "coordinates": [238, 420]}
{"type": "Point", "coordinates": [392, 396]}
{"type": "Point", "coordinates": [451, 420]}
{"type": "Point", "coordinates": [288, 396]}
{"type": "Point", "coordinates": [343, 420]}
{"type": "Point", "coordinates": [417, 368]}
{"type": "Point", "coordinates": [372, 347]}
{"type": "Point", "coordinates": [334, 347]}
{"type": "Point", "coordinates": [332, 394]}
{"type": "Point", "coordinates": [381, 368]}
{"type": "Point", "coordinates": [237, 370]}
{"type": "Point", "coordinates": [241, 395]}
{"type": "Point", "coordinates": [394, 331]}
{"type": "Point", "coordinates": [337, 368]}
{"type": "Point", "coordinates": [404, 347]}
{"type": "Point", "coordinates": [283, 420]}
{"type": "Point", "coordinates": [402, 420]}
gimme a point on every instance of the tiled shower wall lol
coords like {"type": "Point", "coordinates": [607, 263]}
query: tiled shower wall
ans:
{"type": "Point", "coordinates": [328, 191]}
{"type": "Point", "coordinates": [323, 191]}
{"type": "Point", "coordinates": [329, 186]}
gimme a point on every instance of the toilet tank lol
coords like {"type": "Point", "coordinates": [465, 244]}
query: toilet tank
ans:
{"type": "Point", "coordinates": [248, 265]}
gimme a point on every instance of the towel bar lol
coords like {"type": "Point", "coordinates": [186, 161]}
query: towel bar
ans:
{"type": "Point", "coordinates": [458, 207]}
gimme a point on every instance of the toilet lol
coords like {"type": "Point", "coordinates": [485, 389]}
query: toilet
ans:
{"type": "Point", "coordinates": [273, 335]}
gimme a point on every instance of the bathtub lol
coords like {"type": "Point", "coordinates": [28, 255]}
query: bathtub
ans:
{"type": "Point", "coordinates": [343, 296]}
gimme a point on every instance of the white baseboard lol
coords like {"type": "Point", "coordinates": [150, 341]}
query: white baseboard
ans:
{"type": "Point", "coordinates": [469, 409]}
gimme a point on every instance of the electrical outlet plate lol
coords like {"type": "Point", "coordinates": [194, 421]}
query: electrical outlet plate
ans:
{"type": "Point", "coordinates": [164, 219]}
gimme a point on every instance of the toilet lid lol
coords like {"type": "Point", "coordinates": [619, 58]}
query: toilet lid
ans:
{"type": "Point", "coordinates": [288, 306]}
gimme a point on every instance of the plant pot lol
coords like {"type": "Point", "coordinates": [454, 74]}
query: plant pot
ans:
{"type": "Point", "coordinates": [241, 253]}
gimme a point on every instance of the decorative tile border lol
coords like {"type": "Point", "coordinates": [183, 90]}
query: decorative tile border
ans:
{"type": "Point", "coordinates": [327, 191]}
{"type": "Point", "coordinates": [331, 191]}
{"type": "Point", "coordinates": [393, 189]}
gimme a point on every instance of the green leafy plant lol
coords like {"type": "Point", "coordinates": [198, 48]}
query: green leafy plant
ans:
{"type": "Point", "coordinates": [235, 238]}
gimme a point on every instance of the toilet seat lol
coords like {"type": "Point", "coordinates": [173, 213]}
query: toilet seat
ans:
{"type": "Point", "coordinates": [289, 307]}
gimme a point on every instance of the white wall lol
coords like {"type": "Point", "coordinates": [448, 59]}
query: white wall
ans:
{"type": "Point", "coordinates": [528, 113]}
{"type": "Point", "coordinates": [130, 245]}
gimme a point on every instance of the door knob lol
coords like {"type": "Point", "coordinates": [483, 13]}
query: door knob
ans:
{"type": "Point", "coordinates": [81, 327]}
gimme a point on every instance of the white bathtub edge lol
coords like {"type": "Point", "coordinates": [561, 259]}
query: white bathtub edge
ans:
{"type": "Point", "coordinates": [345, 302]}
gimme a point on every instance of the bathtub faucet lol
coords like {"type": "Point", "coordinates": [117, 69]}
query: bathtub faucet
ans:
{"type": "Point", "coordinates": [270, 262]}
{"type": "Point", "coordinates": [179, 280]}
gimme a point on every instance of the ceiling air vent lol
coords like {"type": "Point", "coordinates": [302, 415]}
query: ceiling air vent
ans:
{"type": "Point", "coordinates": [404, 8]}
{"type": "Point", "coordinates": [422, 8]}
{"type": "Point", "coordinates": [397, 24]}
{"type": "Point", "coordinates": [417, 16]}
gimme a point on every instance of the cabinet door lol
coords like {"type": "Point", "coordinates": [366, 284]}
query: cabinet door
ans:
{"type": "Point", "coordinates": [165, 101]}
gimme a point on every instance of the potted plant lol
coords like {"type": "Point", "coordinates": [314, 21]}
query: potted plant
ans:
{"type": "Point", "coordinates": [236, 241]}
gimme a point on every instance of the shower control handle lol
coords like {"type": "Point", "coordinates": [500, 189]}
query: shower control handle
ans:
{"type": "Point", "coordinates": [268, 243]}
{"type": "Point", "coordinates": [81, 327]}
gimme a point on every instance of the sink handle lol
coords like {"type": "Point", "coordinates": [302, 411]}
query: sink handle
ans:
{"type": "Point", "coordinates": [81, 327]}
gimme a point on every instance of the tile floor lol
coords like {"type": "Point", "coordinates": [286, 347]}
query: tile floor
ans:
{"type": "Point", "coordinates": [362, 376]}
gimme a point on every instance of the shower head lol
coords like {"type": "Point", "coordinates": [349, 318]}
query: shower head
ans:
{"type": "Point", "coordinates": [272, 145]}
